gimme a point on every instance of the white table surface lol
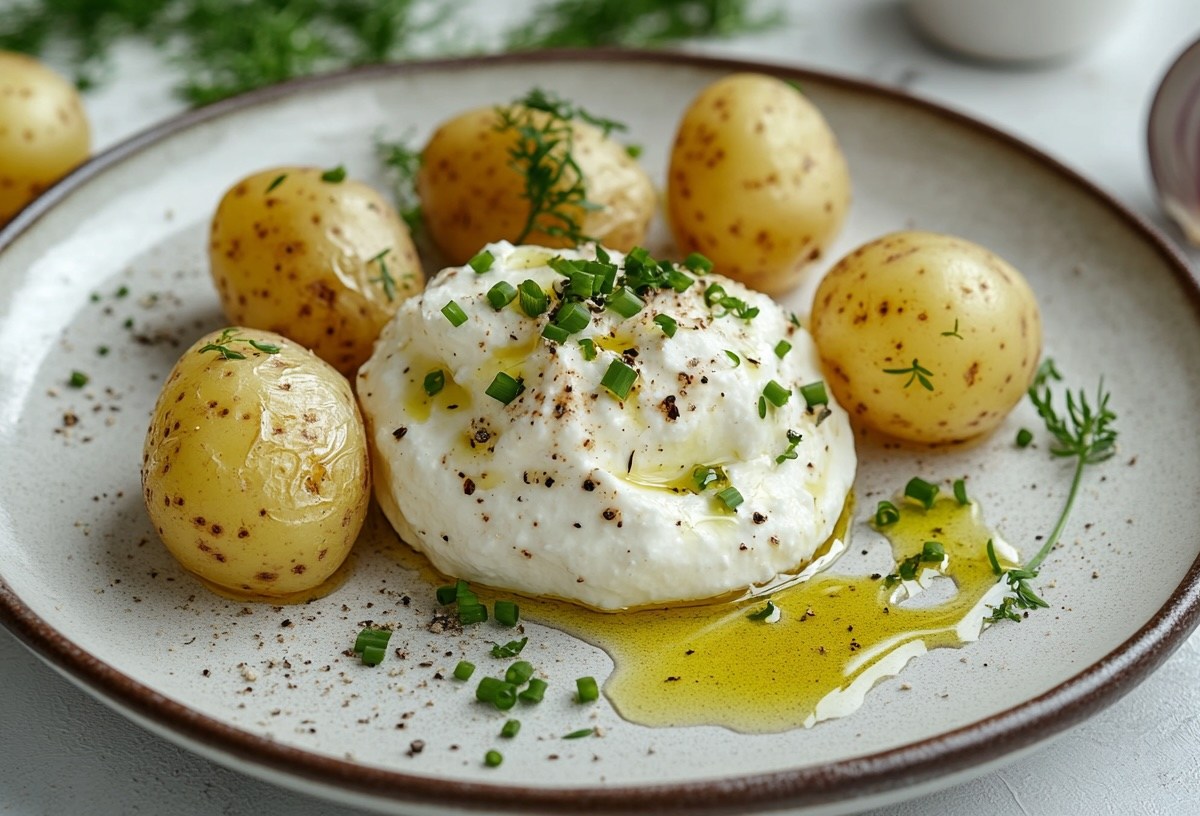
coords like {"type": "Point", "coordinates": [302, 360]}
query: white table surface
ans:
{"type": "Point", "coordinates": [61, 752]}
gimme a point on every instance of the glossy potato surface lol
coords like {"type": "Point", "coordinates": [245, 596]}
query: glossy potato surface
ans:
{"type": "Point", "coordinates": [471, 196]}
{"type": "Point", "coordinates": [301, 256]}
{"type": "Point", "coordinates": [927, 337]}
{"type": "Point", "coordinates": [757, 181]}
{"type": "Point", "coordinates": [254, 470]}
{"type": "Point", "coordinates": [44, 132]}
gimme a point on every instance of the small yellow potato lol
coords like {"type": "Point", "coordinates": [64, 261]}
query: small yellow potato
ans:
{"type": "Point", "coordinates": [927, 337]}
{"type": "Point", "coordinates": [471, 194]}
{"type": "Point", "coordinates": [254, 469]}
{"type": "Point", "coordinates": [43, 130]}
{"type": "Point", "coordinates": [757, 181]}
{"type": "Point", "coordinates": [322, 261]}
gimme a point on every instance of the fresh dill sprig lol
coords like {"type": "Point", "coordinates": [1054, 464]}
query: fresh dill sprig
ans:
{"type": "Point", "coordinates": [916, 373]}
{"type": "Point", "coordinates": [1084, 433]}
{"type": "Point", "coordinates": [542, 154]}
{"type": "Point", "coordinates": [231, 335]}
{"type": "Point", "coordinates": [402, 162]}
{"type": "Point", "coordinates": [589, 23]}
{"type": "Point", "coordinates": [385, 278]}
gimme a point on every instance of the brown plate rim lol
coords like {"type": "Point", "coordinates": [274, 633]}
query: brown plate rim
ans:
{"type": "Point", "coordinates": [910, 765]}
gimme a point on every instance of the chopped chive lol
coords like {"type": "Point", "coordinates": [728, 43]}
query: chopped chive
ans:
{"type": "Point", "coordinates": [814, 394]}
{"type": "Point", "coordinates": [493, 758]}
{"type": "Point", "coordinates": [737, 361]}
{"type": "Point", "coordinates": [619, 379]}
{"type": "Point", "coordinates": [102, 351]}
{"type": "Point", "coordinates": [501, 295]}
{"type": "Point", "coordinates": [921, 491]}
{"type": "Point", "coordinates": [474, 613]}
{"type": "Point", "coordinates": [372, 637]}
{"type": "Point", "coordinates": [909, 567]}
{"type": "Point", "coordinates": [510, 649]}
{"type": "Point", "coordinates": [991, 554]}
{"type": "Point", "coordinates": [507, 613]}
{"type": "Point", "coordinates": [782, 348]}
{"type": "Point", "coordinates": [122, 291]}
{"type": "Point", "coordinates": [762, 407]}
{"type": "Point", "coordinates": [625, 303]}
{"type": "Point", "coordinates": [573, 317]}
{"type": "Point", "coordinates": [447, 594]}
{"type": "Point", "coordinates": [667, 324]}
{"type": "Point", "coordinates": [464, 670]}
{"type": "Point", "coordinates": [489, 689]}
{"type": "Point", "coordinates": [886, 514]}
{"type": "Point", "coordinates": [933, 552]}
{"type": "Point", "coordinates": [789, 452]}
{"type": "Point", "coordinates": [776, 394]}
{"type": "Point", "coordinates": [278, 180]}
{"type": "Point", "coordinates": [586, 690]}
{"type": "Point", "coordinates": [504, 388]}
{"type": "Point", "coordinates": [731, 497]}
{"type": "Point", "coordinates": [534, 692]}
{"type": "Point", "coordinates": [533, 300]}
{"type": "Point", "coordinates": [763, 613]}
{"type": "Point", "coordinates": [588, 347]}
{"type": "Point", "coordinates": [510, 729]}
{"type": "Point", "coordinates": [506, 697]}
{"type": "Point", "coordinates": [679, 281]}
{"type": "Point", "coordinates": [454, 313]}
{"type": "Point", "coordinates": [698, 263]}
{"type": "Point", "coordinates": [435, 381]}
{"type": "Point", "coordinates": [582, 732]}
{"type": "Point", "coordinates": [482, 262]}
{"type": "Point", "coordinates": [519, 673]}
{"type": "Point", "coordinates": [582, 284]}
{"type": "Point", "coordinates": [960, 491]}
{"type": "Point", "coordinates": [555, 333]}
{"type": "Point", "coordinates": [1024, 437]}
{"type": "Point", "coordinates": [334, 175]}
{"type": "Point", "coordinates": [714, 294]}
{"type": "Point", "coordinates": [78, 379]}
{"type": "Point", "coordinates": [703, 476]}
{"type": "Point", "coordinates": [633, 151]}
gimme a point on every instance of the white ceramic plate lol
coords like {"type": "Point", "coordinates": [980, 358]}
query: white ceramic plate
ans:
{"type": "Point", "coordinates": [267, 689]}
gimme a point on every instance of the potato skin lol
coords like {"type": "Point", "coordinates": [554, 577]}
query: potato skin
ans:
{"type": "Point", "coordinates": [296, 258]}
{"type": "Point", "coordinates": [44, 131]}
{"type": "Point", "coordinates": [255, 471]}
{"type": "Point", "coordinates": [966, 315]}
{"type": "Point", "coordinates": [470, 196]}
{"type": "Point", "coordinates": [757, 181]}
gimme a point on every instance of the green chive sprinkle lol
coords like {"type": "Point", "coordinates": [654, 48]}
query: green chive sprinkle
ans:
{"type": "Point", "coordinates": [504, 388]}
{"type": "Point", "coordinates": [534, 692]}
{"type": "Point", "coordinates": [335, 175]}
{"type": "Point", "coordinates": [501, 295]}
{"type": "Point", "coordinates": [737, 361]}
{"type": "Point", "coordinates": [454, 313]}
{"type": "Point", "coordinates": [582, 732]}
{"type": "Point", "coordinates": [730, 497]}
{"type": "Point", "coordinates": [464, 670]}
{"type": "Point", "coordinates": [782, 348]}
{"type": "Point", "coordinates": [625, 303]}
{"type": "Point", "coordinates": [698, 263]}
{"type": "Point", "coordinates": [373, 655]}
{"type": "Point", "coordinates": [776, 394]}
{"type": "Point", "coordinates": [510, 649]}
{"type": "Point", "coordinates": [435, 381]}
{"type": "Point", "coordinates": [519, 673]}
{"type": "Point", "coordinates": [507, 612]}
{"type": "Point", "coordinates": [960, 492]}
{"type": "Point", "coordinates": [921, 491]}
{"type": "Point", "coordinates": [482, 262]}
{"type": "Point", "coordinates": [667, 324]}
{"type": "Point", "coordinates": [447, 594]}
{"type": "Point", "coordinates": [510, 729]}
{"type": "Point", "coordinates": [1024, 437]}
{"type": "Point", "coordinates": [555, 333]}
{"type": "Point", "coordinates": [588, 347]}
{"type": "Point", "coordinates": [573, 317]}
{"type": "Point", "coordinates": [814, 394]}
{"type": "Point", "coordinates": [619, 379]}
{"type": "Point", "coordinates": [278, 180]}
{"type": "Point", "coordinates": [586, 690]}
{"type": "Point", "coordinates": [493, 758]}
{"type": "Point", "coordinates": [471, 613]}
{"type": "Point", "coordinates": [886, 514]}
{"type": "Point", "coordinates": [714, 294]}
{"type": "Point", "coordinates": [533, 300]}
{"type": "Point", "coordinates": [78, 379]}
{"type": "Point", "coordinates": [995, 562]}
{"type": "Point", "coordinates": [933, 552]}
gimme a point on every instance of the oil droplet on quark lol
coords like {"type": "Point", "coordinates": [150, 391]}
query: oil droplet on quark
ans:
{"type": "Point", "coordinates": [835, 637]}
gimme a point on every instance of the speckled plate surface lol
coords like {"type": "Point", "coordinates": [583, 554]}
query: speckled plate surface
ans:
{"type": "Point", "coordinates": [115, 258]}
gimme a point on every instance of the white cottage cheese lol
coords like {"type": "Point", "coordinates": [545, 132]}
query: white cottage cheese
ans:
{"type": "Point", "coordinates": [568, 491]}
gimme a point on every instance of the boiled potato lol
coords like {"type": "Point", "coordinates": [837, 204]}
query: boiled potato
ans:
{"type": "Point", "coordinates": [321, 261]}
{"type": "Point", "coordinates": [254, 469]}
{"type": "Point", "coordinates": [927, 337]}
{"type": "Point", "coordinates": [757, 182]}
{"type": "Point", "coordinates": [471, 194]}
{"type": "Point", "coordinates": [43, 130]}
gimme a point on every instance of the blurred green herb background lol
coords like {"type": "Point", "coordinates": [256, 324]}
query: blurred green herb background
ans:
{"type": "Point", "coordinates": [225, 47]}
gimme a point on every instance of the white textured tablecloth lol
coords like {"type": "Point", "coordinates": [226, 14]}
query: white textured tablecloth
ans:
{"type": "Point", "coordinates": [61, 752]}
